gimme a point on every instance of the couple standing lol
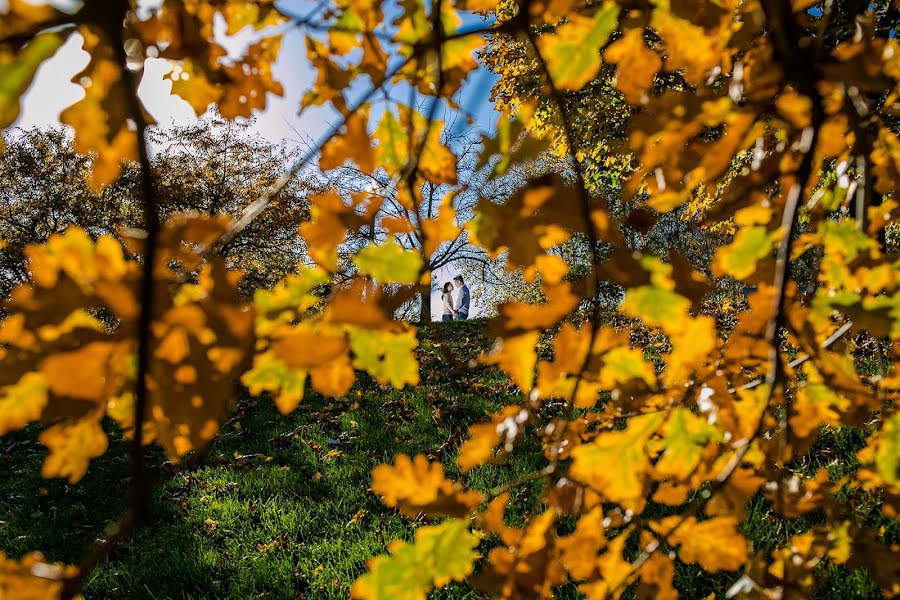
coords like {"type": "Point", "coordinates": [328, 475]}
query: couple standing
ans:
{"type": "Point", "coordinates": [458, 310]}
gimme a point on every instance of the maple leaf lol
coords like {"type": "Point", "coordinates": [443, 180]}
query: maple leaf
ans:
{"type": "Point", "coordinates": [572, 51]}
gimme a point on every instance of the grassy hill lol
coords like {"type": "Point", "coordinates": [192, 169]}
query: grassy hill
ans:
{"type": "Point", "coordinates": [279, 507]}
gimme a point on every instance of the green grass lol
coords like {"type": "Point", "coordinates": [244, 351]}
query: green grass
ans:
{"type": "Point", "coordinates": [279, 507]}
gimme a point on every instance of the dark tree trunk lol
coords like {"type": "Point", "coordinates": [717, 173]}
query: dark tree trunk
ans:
{"type": "Point", "coordinates": [425, 309]}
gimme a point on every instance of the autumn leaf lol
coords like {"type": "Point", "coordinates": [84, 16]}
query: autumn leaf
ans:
{"type": "Point", "coordinates": [22, 402]}
{"type": "Point", "coordinates": [517, 357]}
{"type": "Point", "coordinates": [615, 462]}
{"type": "Point", "coordinates": [385, 355]}
{"type": "Point", "coordinates": [578, 551]}
{"type": "Point", "coordinates": [716, 544]}
{"type": "Point", "coordinates": [685, 435]}
{"type": "Point", "coordinates": [572, 51]}
{"type": "Point", "coordinates": [33, 578]}
{"type": "Point", "coordinates": [99, 123]}
{"type": "Point", "coordinates": [637, 65]}
{"type": "Point", "coordinates": [439, 554]}
{"type": "Point", "coordinates": [389, 263]}
{"type": "Point", "coordinates": [416, 486]}
{"type": "Point", "coordinates": [17, 70]}
{"type": "Point", "coordinates": [72, 446]}
{"type": "Point", "coordinates": [353, 144]}
{"type": "Point", "coordinates": [739, 259]}
{"type": "Point", "coordinates": [272, 375]}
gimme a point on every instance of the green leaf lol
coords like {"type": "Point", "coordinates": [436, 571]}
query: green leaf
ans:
{"type": "Point", "coordinates": [685, 437]}
{"type": "Point", "coordinates": [572, 52]}
{"type": "Point", "coordinates": [270, 374]}
{"type": "Point", "coordinates": [845, 238]}
{"type": "Point", "coordinates": [386, 356]}
{"type": "Point", "coordinates": [887, 456]}
{"type": "Point", "coordinates": [657, 307]}
{"type": "Point", "coordinates": [389, 263]}
{"type": "Point", "coordinates": [739, 258]}
{"type": "Point", "coordinates": [440, 554]}
{"type": "Point", "coordinates": [17, 71]}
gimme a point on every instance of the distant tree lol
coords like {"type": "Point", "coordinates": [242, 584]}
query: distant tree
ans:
{"type": "Point", "coordinates": [211, 167]}
{"type": "Point", "coordinates": [44, 189]}
{"type": "Point", "coordinates": [215, 166]}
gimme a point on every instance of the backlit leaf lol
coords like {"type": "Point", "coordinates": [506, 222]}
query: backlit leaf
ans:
{"type": "Point", "coordinates": [615, 462]}
{"type": "Point", "coordinates": [417, 486]}
{"type": "Point", "coordinates": [716, 544]}
{"type": "Point", "coordinates": [440, 554]}
{"type": "Point", "coordinates": [389, 263]}
{"type": "Point", "coordinates": [572, 51]}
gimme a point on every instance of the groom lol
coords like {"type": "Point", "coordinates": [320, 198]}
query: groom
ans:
{"type": "Point", "coordinates": [462, 299]}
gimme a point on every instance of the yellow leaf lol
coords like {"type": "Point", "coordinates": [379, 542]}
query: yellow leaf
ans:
{"type": "Point", "coordinates": [441, 228]}
{"type": "Point", "coordinates": [739, 258]}
{"type": "Point", "coordinates": [352, 144]}
{"type": "Point", "coordinates": [506, 425]}
{"type": "Point", "coordinates": [687, 45]}
{"type": "Point", "coordinates": [440, 554]}
{"type": "Point", "coordinates": [389, 263]}
{"type": "Point", "coordinates": [272, 375]}
{"type": "Point", "coordinates": [72, 446]}
{"type": "Point", "coordinates": [716, 544]}
{"type": "Point", "coordinates": [572, 52]}
{"type": "Point", "coordinates": [304, 347]}
{"type": "Point", "coordinates": [578, 552]}
{"type": "Point", "coordinates": [416, 486]}
{"type": "Point", "coordinates": [637, 64]}
{"type": "Point", "coordinates": [33, 578]}
{"type": "Point", "coordinates": [685, 435]}
{"type": "Point", "coordinates": [616, 462]}
{"type": "Point", "coordinates": [334, 378]}
{"type": "Point", "coordinates": [621, 365]}
{"type": "Point", "coordinates": [100, 124]}
{"type": "Point", "coordinates": [517, 357]}
{"type": "Point", "coordinates": [22, 402]}
{"type": "Point", "coordinates": [84, 373]}
{"type": "Point", "coordinates": [386, 355]}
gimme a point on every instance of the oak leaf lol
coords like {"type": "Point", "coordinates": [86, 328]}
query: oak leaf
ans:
{"type": "Point", "coordinates": [716, 544]}
{"type": "Point", "coordinates": [417, 486]}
